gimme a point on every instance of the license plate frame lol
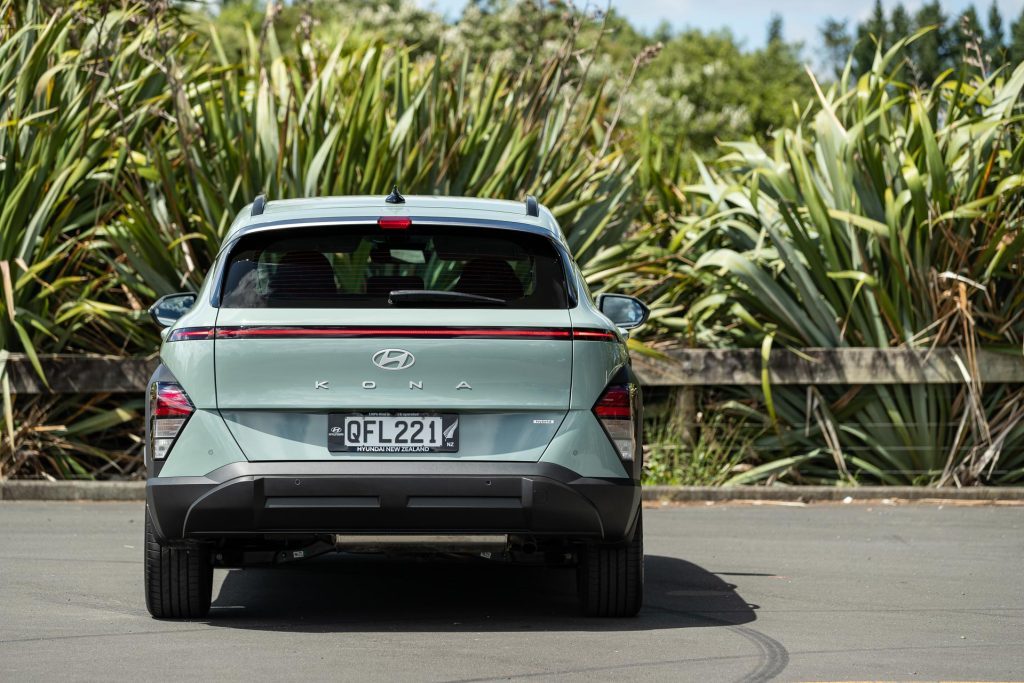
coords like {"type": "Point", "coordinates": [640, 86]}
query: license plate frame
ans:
{"type": "Point", "coordinates": [337, 433]}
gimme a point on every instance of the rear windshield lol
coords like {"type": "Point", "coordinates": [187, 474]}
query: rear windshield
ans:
{"type": "Point", "coordinates": [370, 267]}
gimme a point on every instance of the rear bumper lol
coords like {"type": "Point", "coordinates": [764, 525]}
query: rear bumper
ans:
{"type": "Point", "coordinates": [253, 499]}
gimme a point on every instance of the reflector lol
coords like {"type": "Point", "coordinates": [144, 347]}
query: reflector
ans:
{"type": "Point", "coordinates": [615, 412]}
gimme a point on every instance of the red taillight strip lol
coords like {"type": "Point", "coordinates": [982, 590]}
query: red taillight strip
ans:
{"type": "Point", "coordinates": [333, 332]}
{"type": "Point", "coordinates": [190, 333]}
{"type": "Point", "coordinates": [593, 335]}
{"type": "Point", "coordinates": [274, 332]}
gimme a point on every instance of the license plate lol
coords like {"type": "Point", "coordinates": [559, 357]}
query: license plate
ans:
{"type": "Point", "coordinates": [393, 433]}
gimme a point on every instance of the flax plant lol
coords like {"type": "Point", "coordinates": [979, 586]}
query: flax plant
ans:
{"type": "Point", "coordinates": [357, 120]}
{"type": "Point", "coordinates": [129, 143]}
{"type": "Point", "coordinates": [890, 217]}
{"type": "Point", "coordinates": [75, 97]}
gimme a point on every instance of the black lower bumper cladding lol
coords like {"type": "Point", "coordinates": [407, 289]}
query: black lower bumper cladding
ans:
{"type": "Point", "coordinates": [249, 499]}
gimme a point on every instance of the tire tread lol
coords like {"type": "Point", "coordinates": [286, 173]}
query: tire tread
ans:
{"type": "Point", "coordinates": [610, 577]}
{"type": "Point", "coordinates": [178, 580]}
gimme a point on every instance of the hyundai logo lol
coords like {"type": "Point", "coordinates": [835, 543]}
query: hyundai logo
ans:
{"type": "Point", "coordinates": [393, 359]}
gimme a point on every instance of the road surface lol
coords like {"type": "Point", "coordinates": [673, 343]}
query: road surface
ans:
{"type": "Point", "coordinates": [734, 593]}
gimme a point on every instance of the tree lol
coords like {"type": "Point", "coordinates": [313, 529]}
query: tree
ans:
{"type": "Point", "coordinates": [900, 22]}
{"type": "Point", "coordinates": [775, 29]}
{"type": "Point", "coordinates": [930, 54]}
{"type": "Point", "coordinates": [870, 35]}
{"type": "Point", "coordinates": [994, 45]}
{"type": "Point", "coordinates": [703, 87]}
{"type": "Point", "coordinates": [836, 42]}
{"type": "Point", "coordinates": [1016, 49]}
{"type": "Point", "coordinates": [663, 31]}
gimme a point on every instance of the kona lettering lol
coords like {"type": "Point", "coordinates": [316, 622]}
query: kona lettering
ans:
{"type": "Point", "coordinates": [413, 384]}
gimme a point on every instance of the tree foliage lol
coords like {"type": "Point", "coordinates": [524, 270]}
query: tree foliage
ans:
{"type": "Point", "coordinates": [953, 40]}
{"type": "Point", "coordinates": [691, 88]}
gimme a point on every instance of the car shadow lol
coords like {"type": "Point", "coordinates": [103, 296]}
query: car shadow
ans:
{"type": "Point", "coordinates": [337, 593]}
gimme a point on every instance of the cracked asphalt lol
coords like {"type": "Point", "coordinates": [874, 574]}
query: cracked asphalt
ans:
{"type": "Point", "coordinates": [734, 593]}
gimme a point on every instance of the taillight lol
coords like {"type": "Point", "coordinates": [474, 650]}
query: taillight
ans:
{"type": "Point", "coordinates": [170, 409]}
{"type": "Point", "coordinates": [615, 410]}
{"type": "Point", "coordinates": [191, 333]}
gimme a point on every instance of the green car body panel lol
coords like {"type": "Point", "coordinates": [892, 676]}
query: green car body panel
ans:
{"type": "Point", "coordinates": [262, 405]}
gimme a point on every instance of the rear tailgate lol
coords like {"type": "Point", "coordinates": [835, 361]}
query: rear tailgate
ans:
{"type": "Point", "coordinates": [426, 340]}
{"type": "Point", "coordinates": [281, 373]}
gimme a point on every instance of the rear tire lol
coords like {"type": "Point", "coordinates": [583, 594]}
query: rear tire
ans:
{"type": "Point", "coordinates": [610, 577]}
{"type": "Point", "coordinates": [179, 580]}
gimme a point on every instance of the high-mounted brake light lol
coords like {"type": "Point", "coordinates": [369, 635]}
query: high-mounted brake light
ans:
{"type": "Point", "coordinates": [394, 222]}
{"type": "Point", "coordinates": [170, 408]}
{"type": "Point", "coordinates": [615, 410]}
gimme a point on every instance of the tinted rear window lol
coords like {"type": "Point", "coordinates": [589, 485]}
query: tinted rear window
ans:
{"type": "Point", "coordinates": [362, 266]}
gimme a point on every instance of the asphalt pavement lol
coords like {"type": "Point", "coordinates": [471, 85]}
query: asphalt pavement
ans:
{"type": "Point", "coordinates": [734, 593]}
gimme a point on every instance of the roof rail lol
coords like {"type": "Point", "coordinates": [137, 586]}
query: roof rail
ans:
{"type": "Point", "coordinates": [532, 207]}
{"type": "Point", "coordinates": [259, 204]}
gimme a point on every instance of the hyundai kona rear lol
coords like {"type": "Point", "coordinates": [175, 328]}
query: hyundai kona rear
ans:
{"type": "Point", "coordinates": [421, 375]}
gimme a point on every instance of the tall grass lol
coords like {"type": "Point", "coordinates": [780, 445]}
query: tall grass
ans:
{"type": "Point", "coordinates": [721, 451]}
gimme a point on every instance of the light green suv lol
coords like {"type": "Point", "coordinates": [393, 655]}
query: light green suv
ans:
{"type": "Point", "coordinates": [393, 375]}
